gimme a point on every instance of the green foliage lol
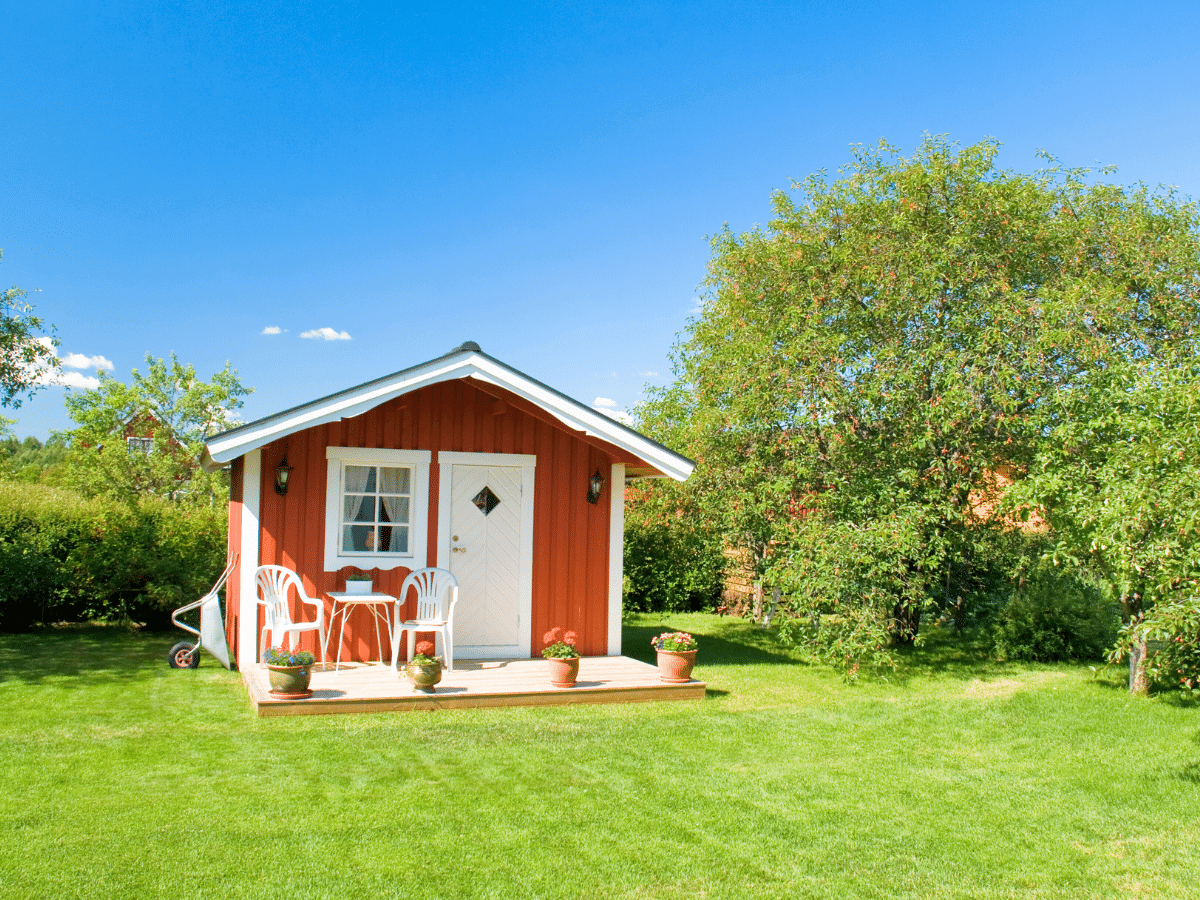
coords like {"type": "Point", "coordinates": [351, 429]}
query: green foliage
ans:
{"type": "Point", "coordinates": [64, 557]}
{"type": "Point", "coordinates": [559, 644]}
{"type": "Point", "coordinates": [673, 563]}
{"type": "Point", "coordinates": [1056, 614]}
{"type": "Point", "coordinates": [1170, 631]}
{"type": "Point", "coordinates": [1120, 481]}
{"type": "Point", "coordinates": [25, 355]}
{"type": "Point", "coordinates": [864, 368]}
{"type": "Point", "coordinates": [277, 656]}
{"type": "Point", "coordinates": [170, 405]}
{"type": "Point", "coordinates": [32, 462]}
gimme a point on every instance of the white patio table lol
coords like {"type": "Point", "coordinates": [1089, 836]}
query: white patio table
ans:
{"type": "Point", "coordinates": [379, 605]}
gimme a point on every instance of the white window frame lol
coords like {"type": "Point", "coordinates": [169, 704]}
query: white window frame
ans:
{"type": "Point", "coordinates": [417, 461]}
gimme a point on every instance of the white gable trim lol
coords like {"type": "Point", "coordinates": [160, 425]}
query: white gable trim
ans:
{"type": "Point", "coordinates": [468, 363]}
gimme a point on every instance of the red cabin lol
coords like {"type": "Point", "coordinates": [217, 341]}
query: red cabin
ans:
{"type": "Point", "coordinates": [461, 462]}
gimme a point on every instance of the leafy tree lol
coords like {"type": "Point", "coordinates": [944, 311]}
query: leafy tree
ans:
{"type": "Point", "coordinates": [24, 354]}
{"type": "Point", "coordinates": [169, 407]}
{"type": "Point", "coordinates": [864, 368]}
{"type": "Point", "coordinates": [30, 461]}
{"type": "Point", "coordinates": [1120, 486]}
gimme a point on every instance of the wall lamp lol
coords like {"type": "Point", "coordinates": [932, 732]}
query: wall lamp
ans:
{"type": "Point", "coordinates": [595, 485]}
{"type": "Point", "coordinates": [283, 472]}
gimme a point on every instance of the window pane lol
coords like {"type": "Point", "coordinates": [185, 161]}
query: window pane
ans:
{"type": "Point", "coordinates": [358, 539]}
{"type": "Point", "coordinates": [359, 509]}
{"type": "Point", "coordinates": [395, 509]}
{"type": "Point", "coordinates": [397, 540]}
{"type": "Point", "coordinates": [360, 479]}
{"type": "Point", "coordinates": [393, 481]}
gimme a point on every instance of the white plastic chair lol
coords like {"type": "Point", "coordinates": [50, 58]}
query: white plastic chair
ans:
{"type": "Point", "coordinates": [437, 592]}
{"type": "Point", "coordinates": [273, 585]}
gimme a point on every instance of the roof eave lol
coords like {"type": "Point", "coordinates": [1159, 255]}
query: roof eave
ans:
{"type": "Point", "coordinates": [223, 448]}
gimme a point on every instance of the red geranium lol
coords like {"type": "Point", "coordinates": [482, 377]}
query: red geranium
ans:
{"type": "Point", "coordinates": [559, 645]}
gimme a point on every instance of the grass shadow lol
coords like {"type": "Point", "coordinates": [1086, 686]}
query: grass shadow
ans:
{"type": "Point", "coordinates": [730, 642]}
{"type": "Point", "coordinates": [104, 654]}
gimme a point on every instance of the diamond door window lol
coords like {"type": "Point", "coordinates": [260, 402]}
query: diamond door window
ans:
{"type": "Point", "coordinates": [486, 500]}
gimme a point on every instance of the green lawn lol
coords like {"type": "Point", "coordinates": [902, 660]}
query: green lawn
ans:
{"type": "Point", "coordinates": [961, 778]}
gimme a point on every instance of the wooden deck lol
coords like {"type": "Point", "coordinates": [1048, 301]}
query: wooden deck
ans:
{"type": "Point", "coordinates": [370, 687]}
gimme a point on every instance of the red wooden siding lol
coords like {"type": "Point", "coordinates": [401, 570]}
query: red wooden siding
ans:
{"type": "Point", "coordinates": [570, 539]}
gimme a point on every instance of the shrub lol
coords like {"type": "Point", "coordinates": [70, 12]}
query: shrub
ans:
{"type": "Point", "coordinates": [63, 557]}
{"type": "Point", "coordinates": [1055, 614]}
{"type": "Point", "coordinates": [671, 568]}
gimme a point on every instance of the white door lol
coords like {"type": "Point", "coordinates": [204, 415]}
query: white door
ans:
{"type": "Point", "coordinates": [485, 554]}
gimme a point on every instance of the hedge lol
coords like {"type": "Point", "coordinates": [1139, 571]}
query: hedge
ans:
{"type": "Point", "coordinates": [67, 558]}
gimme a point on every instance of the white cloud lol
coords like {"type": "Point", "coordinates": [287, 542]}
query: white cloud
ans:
{"type": "Point", "coordinates": [326, 334]}
{"type": "Point", "coordinates": [605, 403]}
{"type": "Point", "coordinates": [648, 375]}
{"type": "Point", "coordinates": [59, 376]}
{"type": "Point", "coordinates": [79, 361]}
{"type": "Point", "coordinates": [73, 380]}
{"type": "Point", "coordinates": [272, 329]}
{"type": "Point", "coordinates": [623, 417]}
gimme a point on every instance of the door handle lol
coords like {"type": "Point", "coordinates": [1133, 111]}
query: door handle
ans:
{"type": "Point", "coordinates": [458, 549]}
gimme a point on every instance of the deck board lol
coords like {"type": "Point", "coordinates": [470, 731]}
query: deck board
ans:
{"type": "Point", "coordinates": [362, 687]}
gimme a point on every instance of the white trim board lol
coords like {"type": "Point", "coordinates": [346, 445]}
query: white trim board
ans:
{"type": "Point", "coordinates": [465, 362]}
{"type": "Point", "coordinates": [247, 654]}
{"type": "Point", "coordinates": [616, 556]}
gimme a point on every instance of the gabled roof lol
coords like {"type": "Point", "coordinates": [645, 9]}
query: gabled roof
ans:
{"type": "Point", "coordinates": [466, 361]}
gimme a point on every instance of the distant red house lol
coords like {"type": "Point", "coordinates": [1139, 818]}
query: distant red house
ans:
{"type": "Point", "coordinates": [461, 462]}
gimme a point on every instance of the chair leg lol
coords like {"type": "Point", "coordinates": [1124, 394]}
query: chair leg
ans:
{"type": "Point", "coordinates": [448, 643]}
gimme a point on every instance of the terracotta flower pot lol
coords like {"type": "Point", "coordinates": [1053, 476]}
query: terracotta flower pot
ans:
{"type": "Point", "coordinates": [424, 677]}
{"type": "Point", "coordinates": [675, 666]}
{"type": "Point", "coordinates": [563, 672]}
{"type": "Point", "coordinates": [289, 682]}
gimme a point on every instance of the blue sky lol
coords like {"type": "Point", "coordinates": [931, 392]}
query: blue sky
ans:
{"type": "Point", "coordinates": [539, 178]}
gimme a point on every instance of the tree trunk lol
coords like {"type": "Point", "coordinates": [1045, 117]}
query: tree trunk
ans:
{"type": "Point", "coordinates": [1137, 669]}
{"type": "Point", "coordinates": [906, 622]}
{"type": "Point", "coordinates": [770, 614]}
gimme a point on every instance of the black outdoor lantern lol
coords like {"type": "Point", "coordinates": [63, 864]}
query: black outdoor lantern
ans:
{"type": "Point", "coordinates": [594, 486]}
{"type": "Point", "coordinates": [282, 473]}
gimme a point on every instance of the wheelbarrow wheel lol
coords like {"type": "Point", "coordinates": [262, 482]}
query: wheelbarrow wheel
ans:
{"type": "Point", "coordinates": [184, 656]}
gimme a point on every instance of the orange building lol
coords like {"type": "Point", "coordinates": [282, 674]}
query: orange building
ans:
{"type": "Point", "coordinates": [461, 462]}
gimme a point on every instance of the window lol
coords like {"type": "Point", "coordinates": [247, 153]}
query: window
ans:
{"type": "Point", "coordinates": [376, 507]}
{"type": "Point", "coordinates": [139, 445]}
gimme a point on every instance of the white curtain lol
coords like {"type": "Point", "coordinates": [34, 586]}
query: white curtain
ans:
{"type": "Point", "coordinates": [397, 510]}
{"type": "Point", "coordinates": [356, 480]}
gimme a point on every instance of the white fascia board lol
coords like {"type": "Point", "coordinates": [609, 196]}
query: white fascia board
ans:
{"type": "Point", "coordinates": [354, 404]}
{"type": "Point", "coordinates": [583, 418]}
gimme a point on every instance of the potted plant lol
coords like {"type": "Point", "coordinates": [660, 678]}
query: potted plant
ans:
{"type": "Point", "coordinates": [424, 670]}
{"type": "Point", "coordinates": [289, 672]}
{"type": "Point", "coordinates": [676, 656]}
{"type": "Point", "coordinates": [563, 657]}
{"type": "Point", "coordinates": [359, 583]}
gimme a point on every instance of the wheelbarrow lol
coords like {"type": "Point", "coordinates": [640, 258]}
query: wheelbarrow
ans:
{"type": "Point", "coordinates": [211, 633]}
